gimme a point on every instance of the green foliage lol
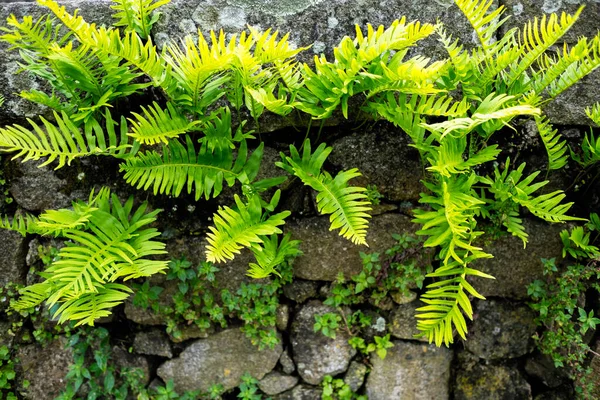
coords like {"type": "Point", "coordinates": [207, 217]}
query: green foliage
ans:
{"type": "Point", "coordinates": [109, 241]}
{"type": "Point", "coordinates": [337, 389]}
{"type": "Point", "coordinates": [137, 16]}
{"type": "Point", "coordinates": [327, 323]}
{"type": "Point", "coordinates": [7, 374]}
{"type": "Point", "coordinates": [561, 313]}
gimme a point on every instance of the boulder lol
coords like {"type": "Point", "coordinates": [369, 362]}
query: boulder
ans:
{"type": "Point", "coordinates": [315, 354]}
{"type": "Point", "coordinates": [37, 189]}
{"type": "Point", "coordinates": [515, 267]}
{"type": "Point", "coordinates": [286, 362]}
{"type": "Point", "coordinates": [282, 317]}
{"type": "Point", "coordinates": [122, 359]}
{"type": "Point", "coordinates": [410, 371]}
{"type": "Point", "coordinates": [153, 342]}
{"type": "Point", "coordinates": [403, 324]}
{"type": "Point", "coordinates": [326, 253]}
{"type": "Point", "coordinates": [276, 382]}
{"type": "Point", "coordinates": [300, 290]}
{"type": "Point", "coordinates": [355, 376]}
{"type": "Point", "coordinates": [478, 381]}
{"type": "Point", "coordinates": [501, 329]}
{"type": "Point", "coordinates": [541, 367]}
{"type": "Point", "coordinates": [301, 392]}
{"type": "Point", "coordinates": [219, 359]}
{"type": "Point", "coordinates": [45, 368]}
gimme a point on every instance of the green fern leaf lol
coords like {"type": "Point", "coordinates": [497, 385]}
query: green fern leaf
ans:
{"type": "Point", "coordinates": [158, 125]}
{"type": "Point", "coordinates": [485, 22]}
{"type": "Point", "coordinates": [447, 158]}
{"type": "Point", "coordinates": [594, 113]}
{"type": "Point", "coordinates": [137, 15]}
{"type": "Point", "coordinates": [242, 227]}
{"type": "Point", "coordinates": [348, 205]}
{"type": "Point", "coordinates": [271, 254]}
{"type": "Point", "coordinates": [555, 148]}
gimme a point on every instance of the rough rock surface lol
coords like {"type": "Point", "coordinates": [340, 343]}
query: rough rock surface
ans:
{"type": "Point", "coordinates": [13, 248]}
{"type": "Point", "coordinates": [315, 354]}
{"type": "Point", "coordinates": [326, 253]}
{"type": "Point", "coordinates": [276, 382]}
{"type": "Point", "coordinates": [410, 371]}
{"type": "Point", "coordinates": [542, 368]}
{"type": "Point", "coordinates": [286, 362]}
{"type": "Point", "coordinates": [45, 368]}
{"type": "Point", "coordinates": [37, 189]}
{"type": "Point", "coordinates": [301, 392]}
{"type": "Point", "coordinates": [515, 267]}
{"type": "Point", "coordinates": [283, 317]}
{"type": "Point", "coordinates": [355, 376]}
{"type": "Point", "coordinates": [477, 381]}
{"type": "Point", "coordinates": [123, 359]}
{"type": "Point", "coordinates": [385, 159]}
{"type": "Point", "coordinates": [300, 290]}
{"type": "Point", "coordinates": [153, 342]}
{"type": "Point", "coordinates": [403, 324]}
{"type": "Point", "coordinates": [501, 329]}
{"type": "Point", "coordinates": [220, 359]}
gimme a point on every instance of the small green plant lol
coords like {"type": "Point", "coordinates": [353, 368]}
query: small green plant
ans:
{"type": "Point", "coordinates": [249, 388]}
{"type": "Point", "coordinates": [7, 374]}
{"type": "Point", "coordinates": [327, 324]}
{"type": "Point", "coordinates": [557, 301]}
{"type": "Point", "coordinates": [337, 389]}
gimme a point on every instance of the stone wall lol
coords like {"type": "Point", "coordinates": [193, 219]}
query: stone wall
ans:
{"type": "Point", "coordinates": [498, 360]}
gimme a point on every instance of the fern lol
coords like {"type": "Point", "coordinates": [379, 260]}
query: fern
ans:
{"type": "Point", "coordinates": [158, 125]}
{"type": "Point", "coordinates": [448, 159]}
{"type": "Point", "coordinates": [348, 205]}
{"type": "Point", "coordinates": [63, 142]}
{"type": "Point", "coordinates": [245, 226]}
{"type": "Point", "coordinates": [137, 15]}
{"type": "Point", "coordinates": [271, 254]}
{"type": "Point", "coordinates": [484, 22]}
{"type": "Point", "coordinates": [106, 242]}
{"type": "Point", "coordinates": [555, 148]}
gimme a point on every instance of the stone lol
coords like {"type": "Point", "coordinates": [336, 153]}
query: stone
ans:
{"type": "Point", "coordinates": [13, 249]}
{"type": "Point", "coordinates": [403, 324]}
{"type": "Point", "coordinates": [384, 159]}
{"type": "Point", "coordinates": [564, 392]}
{"type": "Point", "coordinates": [286, 362]}
{"type": "Point", "coordinates": [326, 253]}
{"type": "Point", "coordinates": [477, 381]}
{"type": "Point", "coordinates": [301, 392]}
{"type": "Point", "coordinates": [188, 332]}
{"type": "Point", "coordinates": [37, 189]}
{"type": "Point", "coordinates": [276, 382]}
{"type": "Point", "coordinates": [300, 290]}
{"type": "Point", "coordinates": [541, 367]}
{"type": "Point", "coordinates": [123, 359]}
{"type": "Point", "coordinates": [316, 355]}
{"type": "Point", "coordinates": [501, 329]}
{"type": "Point", "coordinates": [595, 366]}
{"type": "Point", "coordinates": [45, 368]}
{"type": "Point", "coordinates": [515, 267]}
{"type": "Point", "coordinates": [142, 316]}
{"type": "Point", "coordinates": [410, 371]}
{"type": "Point", "coordinates": [152, 342]}
{"type": "Point", "coordinates": [282, 317]}
{"type": "Point", "coordinates": [355, 376]}
{"type": "Point", "coordinates": [403, 298]}
{"type": "Point", "coordinates": [219, 359]}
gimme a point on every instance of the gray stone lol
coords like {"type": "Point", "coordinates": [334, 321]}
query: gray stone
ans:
{"type": "Point", "coordinates": [283, 317]}
{"type": "Point", "coordinates": [541, 366]}
{"type": "Point", "coordinates": [300, 290]}
{"type": "Point", "coordinates": [403, 324]}
{"type": "Point", "coordinates": [515, 267]}
{"type": "Point", "coordinates": [219, 359]}
{"type": "Point", "coordinates": [13, 248]}
{"type": "Point", "coordinates": [403, 298]}
{"type": "Point", "coordinates": [301, 392]}
{"type": "Point", "coordinates": [326, 253]}
{"type": "Point", "coordinates": [315, 354]}
{"type": "Point", "coordinates": [276, 382]}
{"type": "Point", "coordinates": [188, 332]}
{"type": "Point", "coordinates": [410, 371]}
{"type": "Point", "coordinates": [45, 368]}
{"type": "Point", "coordinates": [37, 189]}
{"type": "Point", "coordinates": [142, 316]}
{"type": "Point", "coordinates": [287, 364]}
{"type": "Point", "coordinates": [384, 159]}
{"type": "Point", "coordinates": [153, 342]}
{"type": "Point", "coordinates": [476, 381]}
{"type": "Point", "coordinates": [595, 366]}
{"type": "Point", "coordinates": [123, 359]}
{"type": "Point", "coordinates": [501, 329]}
{"type": "Point", "coordinates": [355, 376]}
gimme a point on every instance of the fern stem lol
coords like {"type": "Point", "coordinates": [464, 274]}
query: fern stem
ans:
{"type": "Point", "coordinates": [307, 133]}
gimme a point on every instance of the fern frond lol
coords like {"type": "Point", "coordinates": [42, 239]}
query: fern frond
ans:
{"type": "Point", "coordinates": [348, 205]}
{"type": "Point", "coordinates": [536, 38]}
{"type": "Point", "coordinates": [594, 113]}
{"type": "Point", "coordinates": [555, 148]}
{"type": "Point", "coordinates": [137, 15]}
{"type": "Point", "coordinates": [271, 254]}
{"type": "Point", "coordinates": [1, 100]}
{"type": "Point", "coordinates": [245, 226]}
{"type": "Point", "coordinates": [22, 224]}
{"type": "Point", "coordinates": [182, 167]}
{"type": "Point", "coordinates": [484, 21]}
{"type": "Point", "coordinates": [276, 105]}
{"type": "Point", "coordinates": [447, 158]}
{"type": "Point", "coordinates": [63, 142]}
{"type": "Point", "coordinates": [158, 125]}
{"type": "Point", "coordinates": [32, 296]}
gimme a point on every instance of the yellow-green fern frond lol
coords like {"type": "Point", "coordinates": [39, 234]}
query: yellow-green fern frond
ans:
{"type": "Point", "coordinates": [485, 21]}
{"type": "Point", "coordinates": [448, 157]}
{"type": "Point", "coordinates": [348, 205]}
{"type": "Point", "coordinates": [137, 15]}
{"type": "Point", "coordinates": [63, 142]}
{"type": "Point", "coordinates": [279, 106]}
{"type": "Point", "coordinates": [271, 254]}
{"type": "Point", "coordinates": [555, 148]}
{"type": "Point", "coordinates": [244, 226]}
{"type": "Point", "coordinates": [23, 224]}
{"type": "Point", "coordinates": [594, 113]}
{"type": "Point", "coordinates": [158, 125]}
